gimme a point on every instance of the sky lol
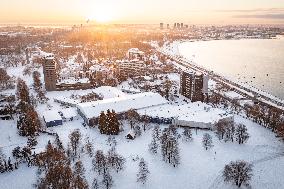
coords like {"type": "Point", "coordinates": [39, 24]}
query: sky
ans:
{"type": "Point", "coordinates": [143, 11]}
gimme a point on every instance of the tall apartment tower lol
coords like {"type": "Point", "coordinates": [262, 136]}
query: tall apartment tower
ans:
{"type": "Point", "coordinates": [168, 26]}
{"type": "Point", "coordinates": [198, 88]}
{"type": "Point", "coordinates": [161, 26]}
{"type": "Point", "coordinates": [49, 71]}
{"type": "Point", "coordinates": [186, 84]}
{"type": "Point", "coordinates": [193, 85]}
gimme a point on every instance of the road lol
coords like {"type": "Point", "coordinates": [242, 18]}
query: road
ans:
{"type": "Point", "coordinates": [247, 92]}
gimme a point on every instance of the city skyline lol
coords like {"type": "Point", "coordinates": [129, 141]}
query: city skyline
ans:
{"type": "Point", "coordinates": [125, 11]}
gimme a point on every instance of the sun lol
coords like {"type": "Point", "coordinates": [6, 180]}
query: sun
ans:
{"type": "Point", "coordinates": [102, 13]}
{"type": "Point", "coordinates": [100, 16]}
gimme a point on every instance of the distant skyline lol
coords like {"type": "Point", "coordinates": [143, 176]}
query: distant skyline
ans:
{"type": "Point", "coordinates": [142, 11]}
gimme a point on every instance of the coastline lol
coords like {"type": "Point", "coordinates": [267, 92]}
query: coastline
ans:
{"type": "Point", "coordinates": [173, 49]}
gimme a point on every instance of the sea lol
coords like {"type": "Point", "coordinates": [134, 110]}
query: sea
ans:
{"type": "Point", "coordinates": [255, 62]}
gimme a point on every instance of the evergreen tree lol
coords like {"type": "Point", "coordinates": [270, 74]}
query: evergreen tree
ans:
{"type": "Point", "coordinates": [54, 169]}
{"type": "Point", "coordinates": [22, 92]}
{"type": "Point", "coordinates": [103, 123]}
{"type": "Point", "coordinates": [143, 172]}
{"type": "Point", "coordinates": [109, 123]}
{"type": "Point", "coordinates": [29, 123]}
{"type": "Point", "coordinates": [114, 123]}
{"type": "Point", "coordinates": [79, 180]}
{"type": "Point", "coordinates": [37, 83]}
{"type": "Point", "coordinates": [4, 79]}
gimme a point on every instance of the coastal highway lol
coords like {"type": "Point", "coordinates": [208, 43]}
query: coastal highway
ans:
{"type": "Point", "coordinates": [246, 91]}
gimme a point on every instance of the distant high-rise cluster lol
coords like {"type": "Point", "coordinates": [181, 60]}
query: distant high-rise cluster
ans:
{"type": "Point", "coordinates": [175, 26]}
{"type": "Point", "coordinates": [194, 85]}
{"type": "Point", "coordinates": [180, 26]}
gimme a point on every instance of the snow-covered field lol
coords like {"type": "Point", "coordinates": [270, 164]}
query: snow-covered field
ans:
{"type": "Point", "coordinates": [198, 169]}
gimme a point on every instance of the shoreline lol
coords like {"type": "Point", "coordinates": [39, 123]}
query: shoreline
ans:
{"type": "Point", "coordinates": [172, 49]}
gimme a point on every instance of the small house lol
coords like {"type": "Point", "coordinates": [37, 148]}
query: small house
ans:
{"type": "Point", "coordinates": [52, 118]}
{"type": "Point", "coordinates": [130, 135]}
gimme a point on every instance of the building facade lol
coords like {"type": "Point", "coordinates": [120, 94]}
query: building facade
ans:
{"type": "Point", "coordinates": [50, 75]}
{"type": "Point", "coordinates": [194, 85]}
{"type": "Point", "coordinates": [131, 68]}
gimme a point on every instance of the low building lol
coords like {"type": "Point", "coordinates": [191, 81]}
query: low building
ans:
{"type": "Point", "coordinates": [52, 118]}
{"type": "Point", "coordinates": [135, 53]}
{"type": "Point", "coordinates": [195, 115]}
{"type": "Point", "coordinates": [131, 68]}
{"type": "Point", "coordinates": [69, 114]}
{"type": "Point", "coordinates": [90, 111]}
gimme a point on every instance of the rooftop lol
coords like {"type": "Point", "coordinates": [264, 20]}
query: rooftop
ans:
{"type": "Point", "coordinates": [122, 104]}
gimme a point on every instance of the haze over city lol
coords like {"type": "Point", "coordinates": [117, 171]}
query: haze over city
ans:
{"type": "Point", "coordinates": [148, 94]}
{"type": "Point", "coordinates": [146, 11]}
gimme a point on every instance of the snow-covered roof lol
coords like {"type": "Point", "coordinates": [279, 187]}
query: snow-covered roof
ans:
{"type": "Point", "coordinates": [233, 95]}
{"type": "Point", "coordinates": [122, 104]}
{"type": "Point", "coordinates": [135, 50]}
{"type": "Point", "coordinates": [69, 112]}
{"type": "Point", "coordinates": [105, 91]}
{"type": "Point", "coordinates": [51, 115]}
{"type": "Point", "coordinates": [109, 92]}
{"type": "Point", "coordinates": [197, 112]}
{"type": "Point", "coordinates": [73, 80]}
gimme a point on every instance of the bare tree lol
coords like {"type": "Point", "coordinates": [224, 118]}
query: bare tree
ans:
{"type": "Point", "coordinates": [79, 180]}
{"type": "Point", "coordinates": [170, 147]}
{"type": "Point", "coordinates": [241, 134]}
{"type": "Point", "coordinates": [107, 181]}
{"type": "Point", "coordinates": [143, 172]}
{"type": "Point", "coordinates": [132, 117]}
{"type": "Point", "coordinates": [207, 141]}
{"type": "Point", "coordinates": [75, 138]}
{"type": "Point", "coordinates": [100, 163]}
{"type": "Point", "coordinates": [154, 145]}
{"type": "Point", "coordinates": [89, 148]}
{"type": "Point", "coordinates": [95, 184]}
{"type": "Point", "coordinates": [280, 131]}
{"type": "Point", "coordinates": [187, 135]}
{"type": "Point", "coordinates": [239, 172]}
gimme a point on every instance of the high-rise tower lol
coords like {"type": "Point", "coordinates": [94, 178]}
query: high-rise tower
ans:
{"type": "Point", "coordinates": [49, 71]}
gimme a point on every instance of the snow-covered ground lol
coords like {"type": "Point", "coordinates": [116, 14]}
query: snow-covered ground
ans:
{"type": "Point", "coordinates": [198, 169]}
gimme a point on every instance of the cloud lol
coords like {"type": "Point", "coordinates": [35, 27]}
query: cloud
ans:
{"type": "Point", "coordinates": [261, 16]}
{"type": "Point", "coordinates": [269, 10]}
